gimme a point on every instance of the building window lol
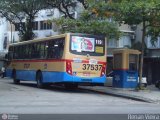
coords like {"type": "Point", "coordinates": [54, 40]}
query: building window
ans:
{"type": "Point", "coordinates": [44, 25]}
{"type": "Point", "coordinates": [5, 43]}
{"type": "Point", "coordinates": [117, 61]}
{"type": "Point", "coordinates": [35, 25]}
{"type": "Point", "coordinates": [20, 26]}
{"type": "Point", "coordinates": [133, 60]}
{"type": "Point", "coordinates": [155, 44]}
{"type": "Point", "coordinates": [112, 43]}
{"type": "Point", "coordinates": [125, 41]}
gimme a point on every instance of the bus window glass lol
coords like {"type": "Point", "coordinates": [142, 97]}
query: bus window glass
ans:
{"type": "Point", "coordinates": [20, 52]}
{"type": "Point", "coordinates": [133, 62]}
{"type": "Point", "coordinates": [83, 45]}
{"type": "Point", "coordinates": [25, 51]}
{"type": "Point", "coordinates": [55, 48]}
{"type": "Point", "coordinates": [15, 53]}
{"type": "Point", "coordinates": [42, 50]}
{"type": "Point", "coordinates": [50, 49]}
{"type": "Point", "coordinates": [117, 61]}
{"type": "Point", "coordinates": [10, 53]}
{"type": "Point", "coordinates": [29, 50]}
{"type": "Point", "coordinates": [35, 51]}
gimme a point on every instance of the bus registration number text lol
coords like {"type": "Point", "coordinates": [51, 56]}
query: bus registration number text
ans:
{"type": "Point", "coordinates": [92, 67]}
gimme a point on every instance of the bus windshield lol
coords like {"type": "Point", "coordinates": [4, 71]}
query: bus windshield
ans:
{"type": "Point", "coordinates": [91, 45]}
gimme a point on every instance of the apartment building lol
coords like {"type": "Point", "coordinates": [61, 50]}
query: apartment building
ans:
{"type": "Point", "coordinates": [125, 41]}
{"type": "Point", "coordinates": [152, 61]}
{"type": "Point", "coordinates": [41, 28]}
{"type": "Point", "coordinates": [3, 40]}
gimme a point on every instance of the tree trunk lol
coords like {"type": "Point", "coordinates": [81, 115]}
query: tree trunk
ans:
{"type": "Point", "coordinates": [142, 54]}
{"type": "Point", "coordinates": [28, 34]}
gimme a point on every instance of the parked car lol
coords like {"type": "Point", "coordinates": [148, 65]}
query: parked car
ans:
{"type": "Point", "coordinates": [110, 80]}
{"type": "Point", "coordinates": [157, 84]}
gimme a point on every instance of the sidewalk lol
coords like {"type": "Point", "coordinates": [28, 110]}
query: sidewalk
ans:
{"type": "Point", "coordinates": [151, 94]}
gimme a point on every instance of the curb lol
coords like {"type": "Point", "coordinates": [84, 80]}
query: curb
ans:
{"type": "Point", "coordinates": [122, 95]}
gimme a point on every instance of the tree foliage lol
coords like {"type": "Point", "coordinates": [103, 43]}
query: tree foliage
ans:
{"type": "Point", "coordinates": [66, 7]}
{"type": "Point", "coordinates": [135, 12]}
{"type": "Point", "coordinates": [91, 21]}
{"type": "Point", "coordinates": [20, 11]}
{"type": "Point", "coordinates": [145, 13]}
{"type": "Point", "coordinates": [141, 12]}
{"type": "Point", "coordinates": [16, 11]}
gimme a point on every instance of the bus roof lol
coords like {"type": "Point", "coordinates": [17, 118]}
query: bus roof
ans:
{"type": "Point", "coordinates": [39, 39]}
{"type": "Point", "coordinates": [46, 38]}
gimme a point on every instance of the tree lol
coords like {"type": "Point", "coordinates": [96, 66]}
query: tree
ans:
{"type": "Point", "coordinates": [91, 21]}
{"type": "Point", "coordinates": [66, 6]}
{"type": "Point", "coordinates": [132, 12]}
{"type": "Point", "coordinates": [16, 11]}
{"type": "Point", "coordinates": [140, 12]}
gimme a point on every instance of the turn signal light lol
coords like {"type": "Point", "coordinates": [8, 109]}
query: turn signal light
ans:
{"type": "Point", "coordinates": [69, 67]}
{"type": "Point", "coordinates": [103, 70]}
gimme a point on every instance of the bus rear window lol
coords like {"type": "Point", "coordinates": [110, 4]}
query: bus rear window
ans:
{"type": "Point", "coordinates": [92, 45]}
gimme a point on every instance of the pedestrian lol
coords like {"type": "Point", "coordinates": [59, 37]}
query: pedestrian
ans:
{"type": "Point", "coordinates": [3, 72]}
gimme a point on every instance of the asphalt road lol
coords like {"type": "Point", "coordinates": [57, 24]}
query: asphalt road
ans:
{"type": "Point", "coordinates": [27, 99]}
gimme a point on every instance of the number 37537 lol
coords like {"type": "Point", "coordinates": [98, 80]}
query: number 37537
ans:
{"type": "Point", "coordinates": [91, 67]}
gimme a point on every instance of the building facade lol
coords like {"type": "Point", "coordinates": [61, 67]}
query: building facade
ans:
{"type": "Point", "coordinates": [125, 41]}
{"type": "Point", "coordinates": [152, 61]}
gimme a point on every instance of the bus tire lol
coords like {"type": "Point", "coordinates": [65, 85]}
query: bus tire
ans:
{"type": "Point", "coordinates": [39, 80]}
{"type": "Point", "coordinates": [15, 80]}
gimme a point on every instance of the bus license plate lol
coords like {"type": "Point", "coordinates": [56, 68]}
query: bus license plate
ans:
{"type": "Point", "coordinates": [91, 67]}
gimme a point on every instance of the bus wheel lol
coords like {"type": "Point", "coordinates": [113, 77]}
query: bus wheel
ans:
{"type": "Point", "coordinates": [71, 86]}
{"type": "Point", "coordinates": [39, 80]}
{"type": "Point", "coordinates": [15, 80]}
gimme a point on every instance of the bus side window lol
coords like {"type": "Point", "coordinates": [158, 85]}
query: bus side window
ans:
{"type": "Point", "coordinates": [25, 51]}
{"type": "Point", "coordinates": [15, 53]}
{"type": "Point", "coordinates": [21, 53]}
{"type": "Point", "coordinates": [55, 49]}
{"type": "Point", "coordinates": [9, 56]}
{"type": "Point", "coordinates": [61, 48]}
{"type": "Point", "coordinates": [50, 50]}
{"type": "Point", "coordinates": [45, 44]}
{"type": "Point", "coordinates": [35, 50]}
{"type": "Point", "coordinates": [42, 50]}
